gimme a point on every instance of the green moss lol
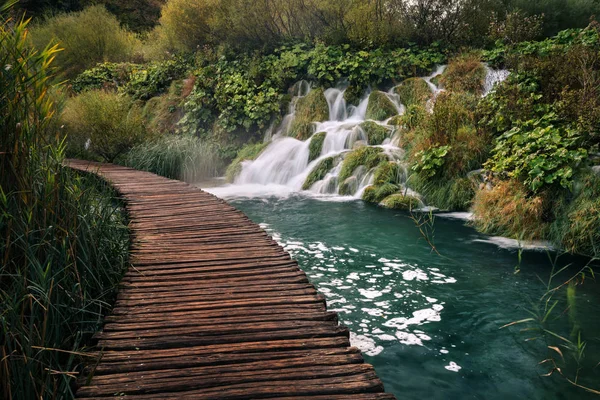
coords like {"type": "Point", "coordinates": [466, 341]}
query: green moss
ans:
{"type": "Point", "coordinates": [414, 91]}
{"type": "Point", "coordinates": [380, 107]}
{"type": "Point", "coordinates": [309, 109]}
{"type": "Point", "coordinates": [464, 74]}
{"type": "Point", "coordinates": [375, 193]}
{"type": "Point", "coordinates": [396, 120]}
{"type": "Point", "coordinates": [436, 80]}
{"type": "Point", "coordinates": [376, 133]}
{"type": "Point", "coordinates": [349, 186]}
{"type": "Point", "coordinates": [388, 172]}
{"type": "Point", "coordinates": [319, 172]}
{"type": "Point", "coordinates": [370, 157]}
{"type": "Point", "coordinates": [399, 201]}
{"type": "Point", "coordinates": [248, 152]}
{"type": "Point", "coordinates": [316, 145]}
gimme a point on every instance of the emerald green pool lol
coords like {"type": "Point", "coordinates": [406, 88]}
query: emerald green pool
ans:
{"type": "Point", "coordinates": [429, 323]}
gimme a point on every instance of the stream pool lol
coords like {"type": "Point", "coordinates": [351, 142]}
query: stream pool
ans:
{"type": "Point", "coordinates": [429, 323]}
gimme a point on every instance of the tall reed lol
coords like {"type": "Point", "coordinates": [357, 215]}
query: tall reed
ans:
{"type": "Point", "coordinates": [63, 243]}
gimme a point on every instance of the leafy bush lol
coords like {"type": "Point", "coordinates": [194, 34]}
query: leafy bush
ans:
{"type": "Point", "coordinates": [538, 153]}
{"type": "Point", "coordinates": [186, 24]}
{"type": "Point", "coordinates": [369, 157]}
{"type": "Point", "coordinates": [106, 124]}
{"type": "Point", "coordinates": [248, 152]}
{"type": "Point", "coordinates": [88, 37]}
{"type": "Point", "coordinates": [103, 76]}
{"type": "Point", "coordinates": [431, 160]}
{"type": "Point", "coordinates": [180, 157]}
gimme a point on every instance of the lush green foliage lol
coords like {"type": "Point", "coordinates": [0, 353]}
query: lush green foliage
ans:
{"type": "Point", "coordinates": [431, 160]}
{"type": "Point", "coordinates": [103, 123]}
{"type": "Point", "coordinates": [186, 158]}
{"type": "Point", "coordinates": [538, 153]}
{"type": "Point", "coordinates": [64, 241]}
{"type": "Point", "coordinates": [88, 37]}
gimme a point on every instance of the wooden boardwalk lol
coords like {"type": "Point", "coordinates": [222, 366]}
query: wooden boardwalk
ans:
{"type": "Point", "coordinates": [213, 308]}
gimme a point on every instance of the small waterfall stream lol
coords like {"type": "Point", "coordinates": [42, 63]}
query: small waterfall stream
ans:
{"type": "Point", "coordinates": [284, 165]}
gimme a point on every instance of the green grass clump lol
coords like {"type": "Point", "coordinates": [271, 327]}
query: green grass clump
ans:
{"type": "Point", "coordinates": [64, 244]}
{"type": "Point", "coordinates": [88, 37]}
{"type": "Point", "coordinates": [309, 109]}
{"type": "Point", "coordinates": [316, 145]}
{"type": "Point", "coordinates": [370, 157]}
{"type": "Point", "coordinates": [413, 91]}
{"type": "Point", "coordinates": [248, 152]}
{"type": "Point", "coordinates": [181, 157]}
{"type": "Point", "coordinates": [380, 107]}
{"type": "Point", "coordinates": [376, 133]}
{"type": "Point", "coordinates": [319, 172]}
{"type": "Point", "coordinates": [375, 194]}
{"type": "Point", "coordinates": [464, 74]}
{"type": "Point", "coordinates": [389, 172]}
{"type": "Point", "coordinates": [112, 123]}
{"type": "Point", "coordinates": [446, 193]}
{"type": "Point", "coordinates": [399, 201]}
{"type": "Point", "coordinates": [577, 227]}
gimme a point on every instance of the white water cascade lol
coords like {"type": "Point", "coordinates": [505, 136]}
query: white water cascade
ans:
{"type": "Point", "coordinates": [282, 168]}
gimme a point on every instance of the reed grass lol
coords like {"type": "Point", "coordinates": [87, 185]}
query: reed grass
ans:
{"type": "Point", "coordinates": [182, 157]}
{"type": "Point", "coordinates": [63, 243]}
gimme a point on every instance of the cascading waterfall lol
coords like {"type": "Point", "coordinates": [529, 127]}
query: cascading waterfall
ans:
{"type": "Point", "coordinates": [285, 162]}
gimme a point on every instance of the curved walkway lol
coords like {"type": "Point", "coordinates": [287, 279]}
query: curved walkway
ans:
{"type": "Point", "coordinates": [213, 308]}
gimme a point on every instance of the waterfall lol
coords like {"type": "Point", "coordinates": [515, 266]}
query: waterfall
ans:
{"type": "Point", "coordinates": [285, 164]}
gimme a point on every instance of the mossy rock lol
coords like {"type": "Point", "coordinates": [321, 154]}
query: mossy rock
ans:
{"type": "Point", "coordinates": [353, 94]}
{"type": "Point", "coordinates": [319, 172]}
{"type": "Point", "coordinates": [376, 193]}
{"type": "Point", "coordinates": [369, 157]}
{"type": "Point", "coordinates": [309, 109]}
{"type": "Point", "coordinates": [349, 186]}
{"type": "Point", "coordinates": [400, 201]}
{"type": "Point", "coordinates": [376, 133]}
{"type": "Point", "coordinates": [380, 107]}
{"type": "Point", "coordinates": [413, 91]}
{"type": "Point", "coordinates": [436, 80]}
{"type": "Point", "coordinates": [388, 172]}
{"type": "Point", "coordinates": [316, 146]}
{"type": "Point", "coordinates": [396, 120]}
{"type": "Point", "coordinates": [464, 74]}
{"type": "Point", "coordinates": [248, 152]}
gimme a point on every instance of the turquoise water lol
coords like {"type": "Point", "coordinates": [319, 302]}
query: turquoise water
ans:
{"type": "Point", "coordinates": [429, 323]}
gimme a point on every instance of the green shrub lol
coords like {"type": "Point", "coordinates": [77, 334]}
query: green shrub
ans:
{"type": "Point", "coordinates": [155, 78]}
{"type": "Point", "coordinates": [380, 107]}
{"type": "Point", "coordinates": [309, 109]}
{"type": "Point", "coordinates": [88, 37]}
{"type": "Point", "coordinates": [464, 74]}
{"type": "Point", "coordinates": [430, 161]}
{"type": "Point", "coordinates": [111, 122]}
{"type": "Point", "coordinates": [163, 113]}
{"type": "Point", "coordinates": [248, 152]}
{"type": "Point", "coordinates": [539, 153]}
{"type": "Point", "coordinates": [413, 91]}
{"type": "Point", "coordinates": [316, 146]}
{"type": "Point", "coordinates": [319, 172]}
{"type": "Point", "coordinates": [185, 25]}
{"type": "Point", "coordinates": [103, 76]}
{"type": "Point", "coordinates": [401, 201]}
{"type": "Point", "coordinates": [186, 158]}
{"type": "Point", "coordinates": [376, 133]}
{"type": "Point", "coordinates": [369, 157]}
